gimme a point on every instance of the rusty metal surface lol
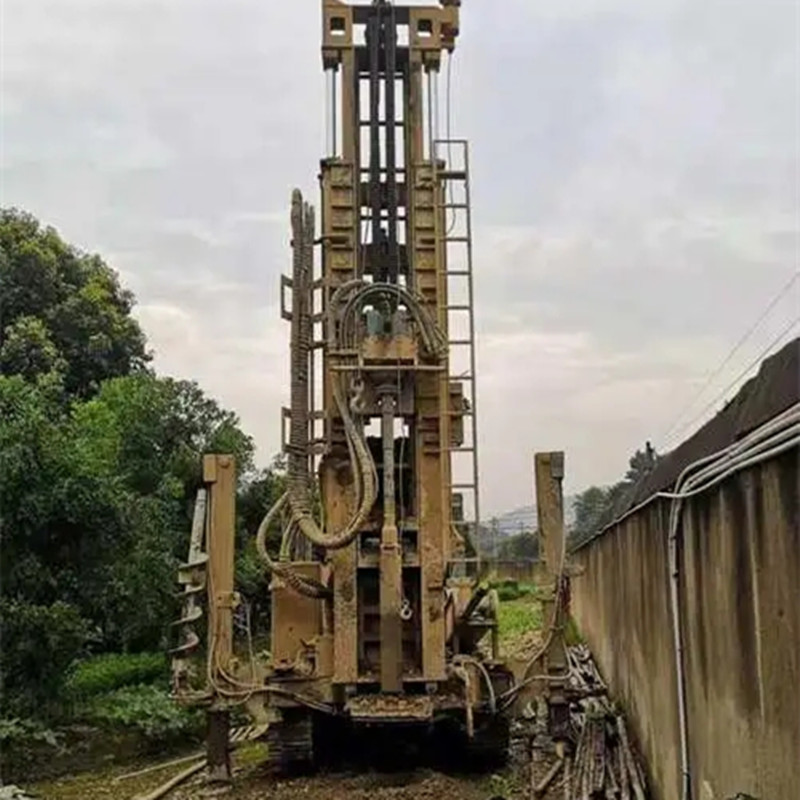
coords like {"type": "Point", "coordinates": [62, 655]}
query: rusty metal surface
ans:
{"type": "Point", "coordinates": [390, 708]}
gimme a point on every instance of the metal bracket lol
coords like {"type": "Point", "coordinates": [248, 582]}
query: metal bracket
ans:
{"type": "Point", "coordinates": [228, 600]}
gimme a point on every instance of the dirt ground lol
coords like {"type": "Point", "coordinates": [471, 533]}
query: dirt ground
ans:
{"type": "Point", "coordinates": [520, 637]}
{"type": "Point", "coordinates": [252, 784]}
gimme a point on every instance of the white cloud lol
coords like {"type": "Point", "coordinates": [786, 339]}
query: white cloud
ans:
{"type": "Point", "coordinates": [634, 178]}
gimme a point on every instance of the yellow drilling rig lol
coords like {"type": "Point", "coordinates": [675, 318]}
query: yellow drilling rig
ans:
{"type": "Point", "coordinates": [378, 616]}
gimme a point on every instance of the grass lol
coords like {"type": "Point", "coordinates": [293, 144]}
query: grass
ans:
{"type": "Point", "coordinates": [518, 617]}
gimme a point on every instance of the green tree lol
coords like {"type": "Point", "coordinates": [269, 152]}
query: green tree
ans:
{"type": "Point", "coordinates": [28, 350]}
{"type": "Point", "coordinates": [590, 508]}
{"type": "Point", "coordinates": [640, 464]}
{"type": "Point", "coordinates": [256, 497]}
{"type": "Point", "coordinates": [100, 461]}
{"type": "Point", "coordinates": [60, 308]}
{"type": "Point", "coordinates": [519, 547]}
{"type": "Point", "coordinates": [599, 506]}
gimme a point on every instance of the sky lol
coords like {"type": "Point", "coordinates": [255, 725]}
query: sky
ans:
{"type": "Point", "coordinates": [634, 181]}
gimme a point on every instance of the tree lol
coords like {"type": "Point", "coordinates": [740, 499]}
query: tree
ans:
{"type": "Point", "coordinates": [100, 460]}
{"type": "Point", "coordinates": [641, 463]}
{"type": "Point", "coordinates": [62, 309]}
{"type": "Point", "coordinates": [256, 497]}
{"type": "Point", "coordinates": [28, 350]}
{"type": "Point", "coordinates": [523, 546]}
{"type": "Point", "coordinates": [97, 498]}
{"type": "Point", "coordinates": [599, 506]}
{"type": "Point", "coordinates": [590, 508]}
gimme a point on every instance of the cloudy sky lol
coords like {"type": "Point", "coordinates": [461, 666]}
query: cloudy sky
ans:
{"type": "Point", "coordinates": [635, 182]}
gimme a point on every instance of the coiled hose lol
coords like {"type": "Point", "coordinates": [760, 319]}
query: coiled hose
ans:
{"type": "Point", "coordinates": [433, 340]}
{"type": "Point", "coordinates": [300, 583]}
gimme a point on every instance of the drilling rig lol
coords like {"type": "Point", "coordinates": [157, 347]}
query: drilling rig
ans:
{"type": "Point", "coordinates": [379, 617]}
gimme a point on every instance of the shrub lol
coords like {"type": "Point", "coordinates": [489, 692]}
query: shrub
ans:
{"type": "Point", "coordinates": [39, 644]}
{"type": "Point", "coordinates": [24, 732]}
{"type": "Point", "coordinates": [511, 589]}
{"type": "Point", "coordinates": [111, 671]}
{"type": "Point", "coordinates": [147, 709]}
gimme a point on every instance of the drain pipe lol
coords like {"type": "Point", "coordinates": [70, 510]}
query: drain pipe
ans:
{"type": "Point", "coordinates": [769, 441]}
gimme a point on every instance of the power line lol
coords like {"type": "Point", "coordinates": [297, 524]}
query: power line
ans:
{"type": "Point", "coordinates": [742, 374]}
{"type": "Point", "coordinates": [714, 373]}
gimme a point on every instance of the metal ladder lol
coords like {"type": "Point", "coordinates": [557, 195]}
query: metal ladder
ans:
{"type": "Point", "coordinates": [451, 166]}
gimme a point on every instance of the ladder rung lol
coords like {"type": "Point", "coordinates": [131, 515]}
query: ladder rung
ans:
{"type": "Point", "coordinates": [459, 272]}
{"type": "Point", "coordinates": [457, 378]}
{"type": "Point", "coordinates": [459, 308]}
{"type": "Point", "coordinates": [452, 175]}
{"type": "Point", "coordinates": [460, 342]}
{"type": "Point", "coordinates": [456, 205]}
{"type": "Point", "coordinates": [457, 239]}
{"type": "Point", "coordinates": [462, 486]}
{"type": "Point", "coordinates": [383, 170]}
{"type": "Point", "coordinates": [461, 449]}
{"type": "Point", "coordinates": [365, 123]}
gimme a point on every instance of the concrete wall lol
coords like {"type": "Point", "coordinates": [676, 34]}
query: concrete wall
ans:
{"type": "Point", "coordinates": [740, 594]}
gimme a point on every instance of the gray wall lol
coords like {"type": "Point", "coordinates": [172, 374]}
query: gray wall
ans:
{"type": "Point", "coordinates": [740, 594]}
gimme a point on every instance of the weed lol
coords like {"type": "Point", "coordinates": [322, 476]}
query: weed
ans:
{"type": "Point", "coordinates": [519, 617]}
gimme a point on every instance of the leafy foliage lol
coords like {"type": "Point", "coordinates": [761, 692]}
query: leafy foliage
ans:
{"type": "Point", "coordinates": [111, 671]}
{"type": "Point", "coordinates": [256, 497]}
{"type": "Point", "coordinates": [38, 641]}
{"type": "Point", "coordinates": [147, 709]}
{"type": "Point", "coordinates": [510, 589]}
{"type": "Point", "coordinates": [16, 731]}
{"type": "Point", "coordinates": [62, 309]}
{"type": "Point", "coordinates": [100, 460]}
{"type": "Point", "coordinates": [520, 547]}
{"type": "Point", "coordinates": [599, 506]}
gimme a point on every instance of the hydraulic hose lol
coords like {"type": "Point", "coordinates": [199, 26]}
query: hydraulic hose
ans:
{"type": "Point", "coordinates": [301, 584]}
{"type": "Point", "coordinates": [359, 292]}
{"type": "Point", "coordinates": [461, 660]}
{"type": "Point", "coordinates": [364, 470]}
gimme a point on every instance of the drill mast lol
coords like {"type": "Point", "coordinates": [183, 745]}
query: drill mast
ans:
{"type": "Point", "coordinates": [387, 213]}
{"type": "Point", "coordinates": [375, 612]}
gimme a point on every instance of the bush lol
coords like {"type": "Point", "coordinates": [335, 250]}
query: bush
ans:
{"type": "Point", "coordinates": [39, 645]}
{"type": "Point", "coordinates": [511, 589]}
{"type": "Point", "coordinates": [111, 671]}
{"type": "Point", "coordinates": [24, 732]}
{"type": "Point", "coordinates": [146, 709]}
